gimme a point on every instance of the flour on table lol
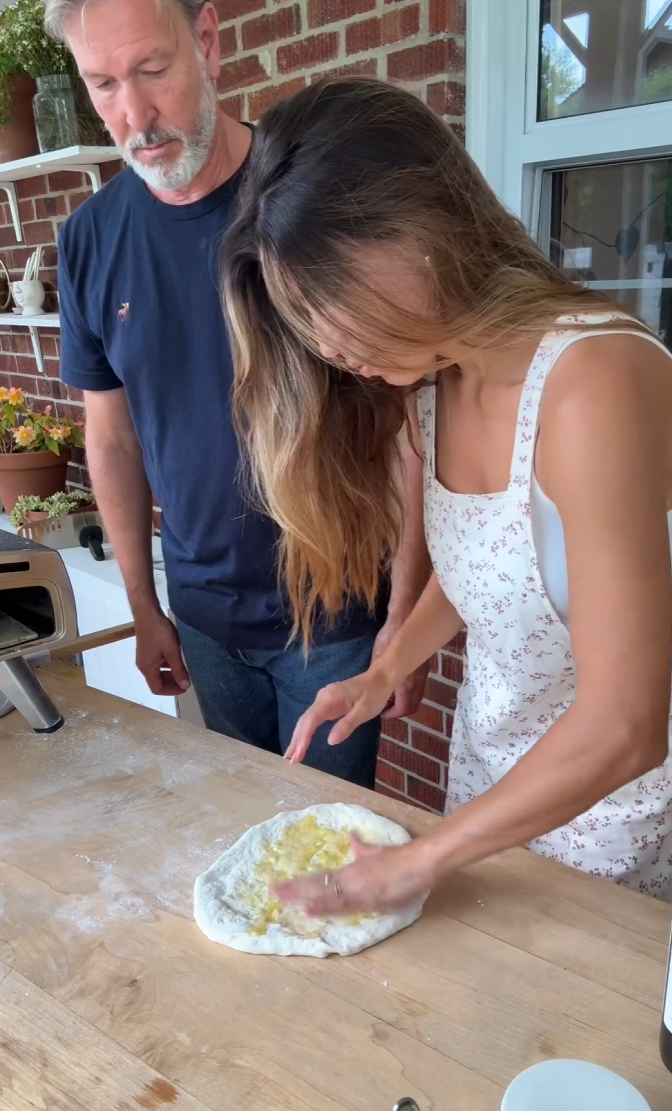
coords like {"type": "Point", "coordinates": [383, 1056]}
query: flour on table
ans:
{"type": "Point", "coordinates": [233, 904]}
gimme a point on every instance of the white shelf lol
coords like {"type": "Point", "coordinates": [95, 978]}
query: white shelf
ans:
{"type": "Point", "coordinates": [46, 320]}
{"type": "Point", "coordinates": [71, 158]}
{"type": "Point", "coordinates": [33, 324]}
{"type": "Point", "coordinates": [84, 160]}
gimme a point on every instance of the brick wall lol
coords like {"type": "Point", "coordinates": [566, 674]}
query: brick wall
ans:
{"type": "Point", "coordinates": [270, 49]}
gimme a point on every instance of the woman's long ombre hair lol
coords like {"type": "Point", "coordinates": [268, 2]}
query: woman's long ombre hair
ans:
{"type": "Point", "coordinates": [346, 164]}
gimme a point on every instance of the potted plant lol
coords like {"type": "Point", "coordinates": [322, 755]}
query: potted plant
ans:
{"type": "Point", "coordinates": [62, 109]}
{"type": "Point", "coordinates": [35, 449]}
{"type": "Point", "coordinates": [18, 137]}
{"type": "Point", "coordinates": [30, 508]}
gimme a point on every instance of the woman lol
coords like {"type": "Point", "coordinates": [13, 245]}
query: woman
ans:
{"type": "Point", "coordinates": [370, 254]}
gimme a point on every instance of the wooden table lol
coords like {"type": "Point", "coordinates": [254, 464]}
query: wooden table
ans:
{"type": "Point", "coordinates": [112, 1000]}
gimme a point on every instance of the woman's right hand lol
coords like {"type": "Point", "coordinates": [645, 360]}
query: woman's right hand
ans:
{"type": "Point", "coordinates": [349, 704]}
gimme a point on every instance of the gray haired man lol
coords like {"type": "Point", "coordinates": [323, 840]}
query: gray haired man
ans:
{"type": "Point", "coordinates": [143, 336]}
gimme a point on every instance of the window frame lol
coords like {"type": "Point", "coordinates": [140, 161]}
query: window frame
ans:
{"type": "Point", "coordinates": [513, 149]}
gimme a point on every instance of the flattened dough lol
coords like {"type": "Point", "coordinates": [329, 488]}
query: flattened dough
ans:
{"type": "Point", "coordinates": [233, 906]}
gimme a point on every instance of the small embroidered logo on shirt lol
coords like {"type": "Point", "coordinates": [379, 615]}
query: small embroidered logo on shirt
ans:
{"type": "Point", "coordinates": [124, 311]}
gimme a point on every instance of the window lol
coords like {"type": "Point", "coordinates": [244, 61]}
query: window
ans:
{"type": "Point", "coordinates": [611, 227]}
{"type": "Point", "coordinates": [596, 55]}
{"type": "Point", "coordinates": [569, 115]}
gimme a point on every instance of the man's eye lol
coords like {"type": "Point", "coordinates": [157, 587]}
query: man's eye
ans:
{"type": "Point", "coordinates": [156, 72]}
{"type": "Point", "coordinates": [105, 84]}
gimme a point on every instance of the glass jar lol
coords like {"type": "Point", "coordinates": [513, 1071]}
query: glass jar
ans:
{"type": "Point", "coordinates": [56, 117]}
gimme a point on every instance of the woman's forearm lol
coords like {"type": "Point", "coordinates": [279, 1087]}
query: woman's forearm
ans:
{"type": "Point", "coordinates": [433, 622]}
{"type": "Point", "coordinates": [575, 765]}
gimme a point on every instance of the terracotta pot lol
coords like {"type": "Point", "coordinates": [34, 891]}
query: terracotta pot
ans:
{"type": "Point", "coordinates": [18, 137]}
{"type": "Point", "coordinates": [36, 473]}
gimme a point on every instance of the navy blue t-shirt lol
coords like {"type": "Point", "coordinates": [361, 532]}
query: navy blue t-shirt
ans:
{"type": "Point", "coordinates": [140, 309]}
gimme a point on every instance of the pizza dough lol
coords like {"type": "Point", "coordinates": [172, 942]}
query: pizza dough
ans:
{"type": "Point", "coordinates": [233, 904]}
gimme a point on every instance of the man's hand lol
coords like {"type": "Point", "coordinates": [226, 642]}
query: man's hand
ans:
{"type": "Point", "coordinates": [408, 695]}
{"type": "Point", "coordinates": [159, 656]}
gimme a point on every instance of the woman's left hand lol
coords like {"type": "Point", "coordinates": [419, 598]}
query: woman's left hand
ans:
{"type": "Point", "coordinates": [380, 879]}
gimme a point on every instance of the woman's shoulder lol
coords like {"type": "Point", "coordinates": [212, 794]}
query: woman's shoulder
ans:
{"type": "Point", "coordinates": [603, 391]}
{"type": "Point", "coordinates": [606, 369]}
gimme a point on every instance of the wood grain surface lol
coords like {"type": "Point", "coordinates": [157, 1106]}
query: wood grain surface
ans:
{"type": "Point", "coordinates": [112, 1000]}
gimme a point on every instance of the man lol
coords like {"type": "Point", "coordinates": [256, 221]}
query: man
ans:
{"type": "Point", "coordinates": [143, 335]}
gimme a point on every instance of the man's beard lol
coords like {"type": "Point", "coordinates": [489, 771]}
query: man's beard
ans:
{"type": "Point", "coordinates": [179, 172]}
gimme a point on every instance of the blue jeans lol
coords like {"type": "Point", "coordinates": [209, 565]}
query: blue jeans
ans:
{"type": "Point", "coordinates": [258, 695]}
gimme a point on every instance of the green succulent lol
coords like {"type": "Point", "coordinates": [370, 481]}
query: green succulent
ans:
{"type": "Point", "coordinates": [56, 505]}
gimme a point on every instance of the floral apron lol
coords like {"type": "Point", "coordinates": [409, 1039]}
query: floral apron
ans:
{"type": "Point", "coordinates": [519, 672]}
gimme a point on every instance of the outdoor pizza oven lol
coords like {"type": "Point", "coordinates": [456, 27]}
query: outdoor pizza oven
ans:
{"type": "Point", "coordinates": [37, 614]}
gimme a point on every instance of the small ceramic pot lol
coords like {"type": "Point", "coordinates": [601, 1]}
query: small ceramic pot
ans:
{"type": "Point", "coordinates": [30, 296]}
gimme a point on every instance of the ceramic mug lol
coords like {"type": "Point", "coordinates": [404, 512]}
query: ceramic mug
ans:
{"type": "Point", "coordinates": [571, 1086]}
{"type": "Point", "coordinates": [30, 297]}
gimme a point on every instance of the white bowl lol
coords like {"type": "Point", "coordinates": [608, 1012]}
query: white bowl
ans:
{"type": "Point", "coordinates": [571, 1086]}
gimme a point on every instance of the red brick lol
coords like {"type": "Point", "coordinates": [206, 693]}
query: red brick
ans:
{"type": "Point", "coordinates": [366, 67]}
{"type": "Point", "coordinates": [457, 644]}
{"type": "Point", "coordinates": [429, 716]}
{"type": "Point", "coordinates": [259, 102]}
{"type": "Point", "coordinates": [49, 344]}
{"type": "Point", "coordinates": [7, 236]}
{"type": "Point", "coordinates": [447, 16]}
{"type": "Point", "coordinates": [32, 187]}
{"type": "Point", "coordinates": [397, 729]}
{"type": "Point", "coordinates": [383, 789]}
{"type": "Point", "coordinates": [108, 170]}
{"type": "Point", "coordinates": [40, 231]}
{"type": "Point", "coordinates": [281, 24]}
{"type": "Point", "coordinates": [5, 215]}
{"type": "Point", "coordinates": [241, 73]}
{"type": "Point", "coordinates": [436, 747]}
{"type": "Point", "coordinates": [156, 519]}
{"type": "Point", "coordinates": [46, 208]}
{"type": "Point", "coordinates": [434, 665]}
{"type": "Point", "coordinates": [75, 199]}
{"type": "Point", "coordinates": [371, 34]}
{"type": "Point", "coordinates": [441, 693]}
{"type": "Point", "coordinates": [391, 776]}
{"type": "Point", "coordinates": [227, 42]}
{"type": "Point", "coordinates": [233, 106]}
{"type": "Point", "coordinates": [323, 12]}
{"type": "Point", "coordinates": [20, 343]}
{"type": "Point", "coordinates": [434, 798]}
{"type": "Point", "coordinates": [64, 180]}
{"type": "Point", "coordinates": [446, 98]}
{"type": "Point", "coordinates": [7, 362]}
{"type": "Point", "coordinates": [309, 52]}
{"type": "Point", "coordinates": [51, 388]}
{"type": "Point", "coordinates": [26, 211]}
{"type": "Point", "coordinates": [22, 381]}
{"type": "Point", "coordinates": [426, 60]}
{"type": "Point", "coordinates": [452, 667]}
{"type": "Point", "coordinates": [233, 9]}
{"type": "Point", "coordinates": [404, 757]}
{"type": "Point", "coordinates": [52, 367]}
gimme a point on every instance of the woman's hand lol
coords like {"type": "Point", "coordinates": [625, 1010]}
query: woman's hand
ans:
{"type": "Point", "coordinates": [379, 880]}
{"type": "Point", "coordinates": [349, 704]}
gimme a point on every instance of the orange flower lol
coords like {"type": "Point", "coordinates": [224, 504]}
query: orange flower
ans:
{"type": "Point", "coordinates": [58, 432]}
{"type": "Point", "coordinates": [4, 393]}
{"type": "Point", "coordinates": [16, 396]}
{"type": "Point", "coordinates": [24, 435]}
